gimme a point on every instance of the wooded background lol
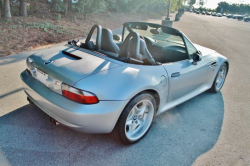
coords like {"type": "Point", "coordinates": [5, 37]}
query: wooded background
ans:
{"type": "Point", "coordinates": [233, 8]}
{"type": "Point", "coordinates": [24, 8]}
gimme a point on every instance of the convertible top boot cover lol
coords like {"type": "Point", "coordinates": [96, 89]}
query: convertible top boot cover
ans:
{"type": "Point", "coordinates": [70, 64]}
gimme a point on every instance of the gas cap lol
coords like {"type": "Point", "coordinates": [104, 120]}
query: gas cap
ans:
{"type": "Point", "coordinates": [163, 81]}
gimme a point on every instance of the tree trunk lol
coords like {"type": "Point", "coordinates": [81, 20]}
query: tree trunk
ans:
{"type": "Point", "coordinates": [66, 6]}
{"type": "Point", "coordinates": [0, 9]}
{"type": "Point", "coordinates": [7, 13]}
{"type": "Point", "coordinates": [70, 5]}
{"type": "Point", "coordinates": [84, 10]}
{"type": "Point", "coordinates": [23, 8]}
{"type": "Point", "coordinates": [53, 3]}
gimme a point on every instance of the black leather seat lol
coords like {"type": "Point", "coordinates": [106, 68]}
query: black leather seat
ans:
{"type": "Point", "coordinates": [136, 48]}
{"type": "Point", "coordinates": [108, 45]}
{"type": "Point", "coordinates": [131, 47]}
{"type": "Point", "coordinates": [146, 56]}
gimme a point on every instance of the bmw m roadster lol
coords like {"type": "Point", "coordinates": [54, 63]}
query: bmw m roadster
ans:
{"type": "Point", "coordinates": [111, 83]}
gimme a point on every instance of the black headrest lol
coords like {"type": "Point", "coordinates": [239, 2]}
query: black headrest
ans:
{"type": "Point", "coordinates": [143, 46]}
{"type": "Point", "coordinates": [136, 48]}
{"type": "Point", "coordinates": [107, 42]}
{"type": "Point", "coordinates": [146, 55]}
{"type": "Point", "coordinates": [107, 33]}
{"type": "Point", "coordinates": [131, 47]}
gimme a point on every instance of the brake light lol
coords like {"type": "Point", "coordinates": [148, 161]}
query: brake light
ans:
{"type": "Point", "coordinates": [78, 95]}
{"type": "Point", "coordinates": [30, 68]}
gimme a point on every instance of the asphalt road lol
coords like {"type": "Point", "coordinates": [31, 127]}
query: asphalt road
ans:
{"type": "Point", "coordinates": [210, 129]}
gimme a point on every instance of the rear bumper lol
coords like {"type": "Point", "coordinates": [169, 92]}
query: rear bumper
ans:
{"type": "Point", "coordinates": [95, 118]}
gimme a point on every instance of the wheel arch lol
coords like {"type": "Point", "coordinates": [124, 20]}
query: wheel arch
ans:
{"type": "Point", "coordinates": [227, 63]}
{"type": "Point", "coordinates": [155, 95]}
{"type": "Point", "coordinates": [119, 134]}
{"type": "Point", "coordinates": [152, 92]}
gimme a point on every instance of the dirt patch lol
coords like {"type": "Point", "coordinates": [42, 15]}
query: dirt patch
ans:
{"type": "Point", "coordinates": [23, 34]}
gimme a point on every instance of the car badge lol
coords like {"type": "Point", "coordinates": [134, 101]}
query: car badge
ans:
{"type": "Point", "coordinates": [48, 62]}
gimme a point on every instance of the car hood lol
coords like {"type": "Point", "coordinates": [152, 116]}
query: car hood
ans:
{"type": "Point", "coordinates": [70, 64]}
{"type": "Point", "coordinates": [204, 50]}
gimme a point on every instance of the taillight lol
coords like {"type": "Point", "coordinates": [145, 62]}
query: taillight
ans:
{"type": "Point", "coordinates": [30, 68]}
{"type": "Point", "coordinates": [78, 95]}
{"type": "Point", "coordinates": [29, 62]}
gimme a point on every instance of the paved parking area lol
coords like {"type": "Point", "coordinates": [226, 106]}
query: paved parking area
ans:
{"type": "Point", "coordinates": [210, 129]}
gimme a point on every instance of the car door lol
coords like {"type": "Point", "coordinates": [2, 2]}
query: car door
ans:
{"type": "Point", "coordinates": [184, 76]}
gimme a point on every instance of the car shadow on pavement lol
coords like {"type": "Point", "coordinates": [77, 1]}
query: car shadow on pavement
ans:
{"type": "Point", "coordinates": [14, 58]}
{"type": "Point", "coordinates": [177, 137]}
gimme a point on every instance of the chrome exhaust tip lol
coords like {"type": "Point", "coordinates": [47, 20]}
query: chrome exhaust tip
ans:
{"type": "Point", "coordinates": [28, 99]}
{"type": "Point", "coordinates": [55, 122]}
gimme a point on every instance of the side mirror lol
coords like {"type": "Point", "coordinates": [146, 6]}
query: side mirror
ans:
{"type": "Point", "coordinates": [196, 58]}
{"type": "Point", "coordinates": [116, 37]}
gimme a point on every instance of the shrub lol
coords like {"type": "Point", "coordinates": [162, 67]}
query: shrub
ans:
{"type": "Point", "coordinates": [58, 17]}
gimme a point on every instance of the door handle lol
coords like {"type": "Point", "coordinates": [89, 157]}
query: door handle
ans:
{"type": "Point", "coordinates": [177, 74]}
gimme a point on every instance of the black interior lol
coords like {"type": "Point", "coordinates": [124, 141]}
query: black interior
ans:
{"type": "Point", "coordinates": [131, 47]}
{"type": "Point", "coordinates": [165, 52]}
{"type": "Point", "coordinates": [135, 48]}
{"type": "Point", "coordinates": [161, 51]}
{"type": "Point", "coordinates": [146, 55]}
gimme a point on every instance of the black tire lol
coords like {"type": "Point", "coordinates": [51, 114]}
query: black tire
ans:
{"type": "Point", "coordinates": [214, 89]}
{"type": "Point", "coordinates": [119, 131]}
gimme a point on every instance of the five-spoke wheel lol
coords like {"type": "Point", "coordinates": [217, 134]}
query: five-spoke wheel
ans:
{"type": "Point", "coordinates": [136, 119]}
{"type": "Point", "coordinates": [139, 120]}
{"type": "Point", "coordinates": [219, 79]}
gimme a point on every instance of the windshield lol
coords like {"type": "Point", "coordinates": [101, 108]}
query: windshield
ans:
{"type": "Point", "coordinates": [165, 44]}
{"type": "Point", "coordinates": [155, 32]}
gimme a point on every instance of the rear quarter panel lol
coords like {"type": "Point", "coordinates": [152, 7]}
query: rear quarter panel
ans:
{"type": "Point", "coordinates": [124, 82]}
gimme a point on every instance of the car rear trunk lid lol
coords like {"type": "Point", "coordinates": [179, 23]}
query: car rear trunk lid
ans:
{"type": "Point", "coordinates": [70, 64]}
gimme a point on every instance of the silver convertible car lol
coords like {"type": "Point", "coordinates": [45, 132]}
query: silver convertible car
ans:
{"type": "Point", "coordinates": [112, 83]}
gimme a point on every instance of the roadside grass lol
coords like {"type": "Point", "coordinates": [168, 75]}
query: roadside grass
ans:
{"type": "Point", "coordinates": [46, 26]}
{"type": "Point", "coordinates": [23, 34]}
